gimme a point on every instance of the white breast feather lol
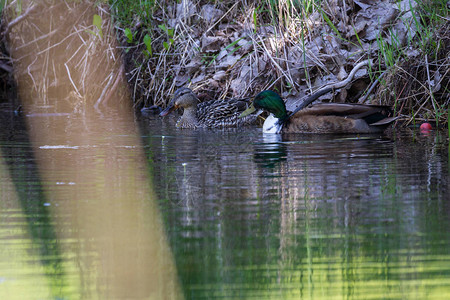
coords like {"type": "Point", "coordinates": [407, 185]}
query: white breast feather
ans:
{"type": "Point", "coordinates": [271, 125]}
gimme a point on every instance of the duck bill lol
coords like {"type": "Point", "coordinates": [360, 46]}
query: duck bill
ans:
{"type": "Point", "coordinates": [168, 110]}
{"type": "Point", "coordinates": [251, 109]}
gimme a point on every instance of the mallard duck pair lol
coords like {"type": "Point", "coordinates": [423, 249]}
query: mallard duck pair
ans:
{"type": "Point", "coordinates": [319, 118]}
{"type": "Point", "coordinates": [209, 114]}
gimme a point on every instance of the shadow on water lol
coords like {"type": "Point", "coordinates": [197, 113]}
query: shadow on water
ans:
{"type": "Point", "coordinates": [79, 199]}
{"type": "Point", "coordinates": [19, 162]}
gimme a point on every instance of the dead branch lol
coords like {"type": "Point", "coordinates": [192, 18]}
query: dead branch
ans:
{"type": "Point", "coordinates": [18, 19]}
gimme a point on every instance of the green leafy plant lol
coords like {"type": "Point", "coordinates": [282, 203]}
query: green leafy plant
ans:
{"type": "Point", "coordinates": [129, 35]}
{"type": "Point", "coordinates": [97, 22]}
{"type": "Point", "coordinates": [336, 31]}
{"type": "Point", "coordinates": [148, 43]}
{"type": "Point", "coordinates": [2, 4]}
{"type": "Point", "coordinates": [127, 11]}
{"type": "Point", "coordinates": [170, 33]}
{"type": "Point", "coordinates": [391, 51]}
{"type": "Point", "coordinates": [255, 19]}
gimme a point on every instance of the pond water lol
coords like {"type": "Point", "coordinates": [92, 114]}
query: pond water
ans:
{"type": "Point", "coordinates": [246, 215]}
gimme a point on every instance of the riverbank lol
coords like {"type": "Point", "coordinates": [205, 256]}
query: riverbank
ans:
{"type": "Point", "coordinates": [236, 49]}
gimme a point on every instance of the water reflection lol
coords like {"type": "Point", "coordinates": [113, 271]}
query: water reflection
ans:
{"type": "Point", "coordinates": [305, 216]}
{"type": "Point", "coordinates": [247, 215]}
{"type": "Point", "coordinates": [270, 152]}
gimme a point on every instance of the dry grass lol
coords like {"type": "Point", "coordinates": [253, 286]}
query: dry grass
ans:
{"type": "Point", "coordinates": [37, 48]}
{"type": "Point", "coordinates": [421, 84]}
{"type": "Point", "coordinates": [294, 47]}
{"type": "Point", "coordinates": [237, 48]}
{"type": "Point", "coordinates": [237, 53]}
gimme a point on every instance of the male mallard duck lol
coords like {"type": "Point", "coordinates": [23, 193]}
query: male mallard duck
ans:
{"type": "Point", "coordinates": [321, 118]}
{"type": "Point", "coordinates": [214, 113]}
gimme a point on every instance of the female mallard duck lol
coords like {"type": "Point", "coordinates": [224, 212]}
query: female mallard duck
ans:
{"type": "Point", "coordinates": [321, 118]}
{"type": "Point", "coordinates": [214, 113]}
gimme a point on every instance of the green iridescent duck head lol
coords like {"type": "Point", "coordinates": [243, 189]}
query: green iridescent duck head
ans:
{"type": "Point", "coordinates": [270, 102]}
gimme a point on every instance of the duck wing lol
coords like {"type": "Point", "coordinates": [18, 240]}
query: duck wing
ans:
{"type": "Point", "coordinates": [372, 114]}
{"type": "Point", "coordinates": [344, 109]}
{"type": "Point", "coordinates": [385, 121]}
{"type": "Point", "coordinates": [224, 112]}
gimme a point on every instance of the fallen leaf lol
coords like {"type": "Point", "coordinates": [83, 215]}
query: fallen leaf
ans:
{"type": "Point", "coordinates": [211, 14]}
{"type": "Point", "coordinates": [218, 76]}
{"type": "Point", "coordinates": [198, 79]}
{"type": "Point", "coordinates": [364, 6]}
{"type": "Point", "coordinates": [186, 9]}
{"type": "Point", "coordinates": [181, 80]}
{"type": "Point", "coordinates": [228, 61]}
{"type": "Point", "coordinates": [212, 43]}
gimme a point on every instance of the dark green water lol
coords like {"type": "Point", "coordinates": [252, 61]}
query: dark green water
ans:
{"type": "Point", "coordinates": [249, 216]}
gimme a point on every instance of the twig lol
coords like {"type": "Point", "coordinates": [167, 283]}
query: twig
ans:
{"type": "Point", "coordinates": [119, 77]}
{"type": "Point", "coordinates": [276, 64]}
{"type": "Point", "coordinates": [330, 88]}
{"type": "Point", "coordinates": [71, 81]}
{"type": "Point", "coordinates": [29, 72]}
{"type": "Point", "coordinates": [54, 45]}
{"type": "Point", "coordinates": [415, 114]}
{"type": "Point", "coordinates": [312, 98]}
{"type": "Point", "coordinates": [372, 86]}
{"type": "Point", "coordinates": [429, 83]}
{"type": "Point", "coordinates": [18, 19]}
{"type": "Point", "coordinates": [220, 19]}
{"type": "Point", "coordinates": [403, 104]}
{"type": "Point", "coordinates": [6, 67]}
{"type": "Point", "coordinates": [42, 37]}
{"type": "Point", "coordinates": [106, 90]}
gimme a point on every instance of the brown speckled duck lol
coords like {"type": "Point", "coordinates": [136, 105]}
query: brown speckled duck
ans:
{"type": "Point", "coordinates": [321, 118]}
{"type": "Point", "coordinates": [210, 114]}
